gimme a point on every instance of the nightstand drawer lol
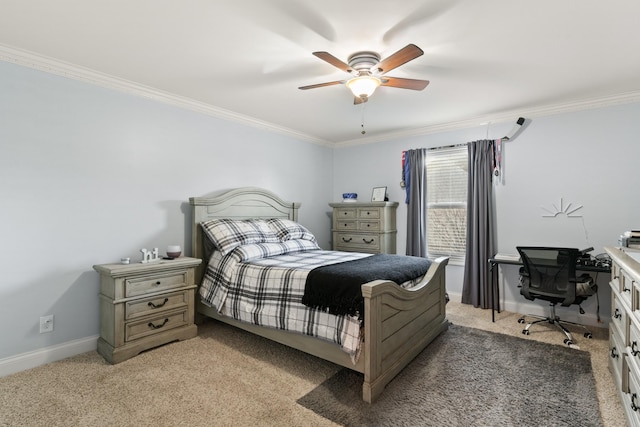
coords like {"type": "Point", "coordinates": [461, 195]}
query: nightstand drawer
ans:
{"type": "Point", "coordinates": [155, 325]}
{"type": "Point", "coordinates": [156, 283]}
{"type": "Point", "coordinates": [160, 303]}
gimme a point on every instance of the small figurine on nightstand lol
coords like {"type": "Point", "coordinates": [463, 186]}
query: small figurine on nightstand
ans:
{"type": "Point", "coordinates": [148, 256]}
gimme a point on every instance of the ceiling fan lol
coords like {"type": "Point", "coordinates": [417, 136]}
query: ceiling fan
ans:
{"type": "Point", "coordinates": [369, 71]}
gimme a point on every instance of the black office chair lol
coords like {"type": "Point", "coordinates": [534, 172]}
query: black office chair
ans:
{"type": "Point", "coordinates": [550, 274]}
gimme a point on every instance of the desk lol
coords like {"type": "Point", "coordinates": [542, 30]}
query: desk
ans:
{"type": "Point", "coordinates": [495, 288]}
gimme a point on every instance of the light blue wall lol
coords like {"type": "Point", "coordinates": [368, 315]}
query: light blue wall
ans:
{"type": "Point", "coordinates": [587, 158]}
{"type": "Point", "coordinates": [88, 175]}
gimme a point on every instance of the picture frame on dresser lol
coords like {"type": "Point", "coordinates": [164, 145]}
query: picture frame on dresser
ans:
{"type": "Point", "coordinates": [379, 194]}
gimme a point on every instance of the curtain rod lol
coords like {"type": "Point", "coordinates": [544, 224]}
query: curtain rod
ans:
{"type": "Point", "coordinates": [442, 147]}
{"type": "Point", "coordinates": [507, 137]}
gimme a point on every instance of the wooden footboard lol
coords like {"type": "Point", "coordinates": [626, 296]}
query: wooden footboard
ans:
{"type": "Point", "coordinates": [399, 324]}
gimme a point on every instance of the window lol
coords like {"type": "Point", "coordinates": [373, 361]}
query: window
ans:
{"type": "Point", "coordinates": [447, 202]}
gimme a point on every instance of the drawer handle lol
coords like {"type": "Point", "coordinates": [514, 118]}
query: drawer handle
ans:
{"type": "Point", "coordinates": [345, 213]}
{"type": "Point", "coordinates": [633, 402]}
{"type": "Point", "coordinates": [345, 225]}
{"type": "Point", "coordinates": [152, 305]}
{"type": "Point", "coordinates": [634, 348]}
{"type": "Point", "coordinates": [347, 240]}
{"type": "Point", "coordinates": [157, 283]}
{"type": "Point", "coordinates": [368, 213]}
{"type": "Point", "coordinates": [617, 314]}
{"type": "Point", "coordinates": [614, 353]}
{"type": "Point", "coordinates": [625, 289]}
{"type": "Point", "coordinates": [152, 326]}
{"type": "Point", "coordinates": [368, 241]}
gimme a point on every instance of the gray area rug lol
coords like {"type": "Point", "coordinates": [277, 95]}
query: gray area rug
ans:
{"type": "Point", "coordinates": [470, 377]}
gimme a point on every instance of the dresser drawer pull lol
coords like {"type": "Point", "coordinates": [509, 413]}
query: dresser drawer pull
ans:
{"type": "Point", "coordinates": [152, 305]}
{"type": "Point", "coordinates": [152, 326]}
{"type": "Point", "coordinates": [157, 283]}
{"type": "Point", "coordinates": [347, 240]}
{"type": "Point", "coordinates": [633, 402]}
{"type": "Point", "coordinates": [617, 313]}
{"type": "Point", "coordinates": [614, 353]}
{"type": "Point", "coordinates": [634, 348]}
{"type": "Point", "coordinates": [625, 289]}
{"type": "Point", "coordinates": [368, 241]}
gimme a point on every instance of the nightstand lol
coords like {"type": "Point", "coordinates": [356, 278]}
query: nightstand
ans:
{"type": "Point", "coordinates": [145, 305]}
{"type": "Point", "coordinates": [364, 227]}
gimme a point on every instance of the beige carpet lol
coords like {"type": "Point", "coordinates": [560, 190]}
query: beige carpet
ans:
{"type": "Point", "coordinates": [223, 377]}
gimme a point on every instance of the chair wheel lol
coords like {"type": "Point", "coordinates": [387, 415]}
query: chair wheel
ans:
{"type": "Point", "coordinates": [588, 335]}
{"type": "Point", "coordinates": [525, 331]}
{"type": "Point", "coordinates": [568, 342]}
{"type": "Point", "coordinates": [521, 320]}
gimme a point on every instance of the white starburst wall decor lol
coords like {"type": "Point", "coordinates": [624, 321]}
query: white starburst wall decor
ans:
{"type": "Point", "coordinates": [569, 210]}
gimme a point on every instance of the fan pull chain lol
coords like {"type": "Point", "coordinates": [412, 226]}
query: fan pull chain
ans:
{"type": "Point", "coordinates": [362, 120]}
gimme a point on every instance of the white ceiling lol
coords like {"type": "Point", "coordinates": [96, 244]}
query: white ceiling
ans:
{"type": "Point", "coordinates": [488, 61]}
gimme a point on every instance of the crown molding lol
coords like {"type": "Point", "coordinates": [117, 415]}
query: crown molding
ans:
{"type": "Point", "coordinates": [72, 71]}
{"type": "Point", "coordinates": [549, 110]}
{"type": "Point", "coordinates": [76, 72]}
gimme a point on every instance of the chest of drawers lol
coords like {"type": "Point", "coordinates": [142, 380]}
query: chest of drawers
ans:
{"type": "Point", "coordinates": [364, 227]}
{"type": "Point", "coordinates": [145, 305]}
{"type": "Point", "coordinates": [624, 329]}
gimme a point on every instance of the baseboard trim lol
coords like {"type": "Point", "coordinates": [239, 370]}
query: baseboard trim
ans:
{"type": "Point", "coordinates": [32, 359]}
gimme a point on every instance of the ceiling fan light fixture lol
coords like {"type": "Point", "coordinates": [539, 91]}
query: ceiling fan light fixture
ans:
{"type": "Point", "coordinates": [363, 86]}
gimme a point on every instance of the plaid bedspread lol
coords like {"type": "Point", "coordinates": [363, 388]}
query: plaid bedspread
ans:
{"type": "Point", "coordinates": [264, 283]}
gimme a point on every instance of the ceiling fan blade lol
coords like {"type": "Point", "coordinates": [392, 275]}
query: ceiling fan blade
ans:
{"type": "Point", "coordinates": [326, 56]}
{"type": "Point", "coordinates": [338, 82]}
{"type": "Point", "coordinates": [413, 84]}
{"type": "Point", "coordinates": [404, 55]}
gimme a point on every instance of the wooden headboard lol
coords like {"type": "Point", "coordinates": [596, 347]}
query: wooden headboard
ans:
{"type": "Point", "coordinates": [240, 203]}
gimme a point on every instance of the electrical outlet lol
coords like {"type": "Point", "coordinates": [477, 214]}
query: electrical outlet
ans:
{"type": "Point", "coordinates": [46, 324]}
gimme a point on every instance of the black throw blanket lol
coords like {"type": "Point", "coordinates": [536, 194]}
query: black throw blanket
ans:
{"type": "Point", "coordinates": [336, 287]}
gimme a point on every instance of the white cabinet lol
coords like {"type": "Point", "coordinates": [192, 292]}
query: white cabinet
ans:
{"type": "Point", "coordinates": [624, 329]}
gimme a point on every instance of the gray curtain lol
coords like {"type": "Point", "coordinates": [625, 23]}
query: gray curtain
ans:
{"type": "Point", "coordinates": [416, 187]}
{"type": "Point", "coordinates": [476, 287]}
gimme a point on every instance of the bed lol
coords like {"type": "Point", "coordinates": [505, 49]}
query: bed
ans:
{"type": "Point", "coordinates": [398, 323]}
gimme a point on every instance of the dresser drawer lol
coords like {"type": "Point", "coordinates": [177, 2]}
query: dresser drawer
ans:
{"type": "Point", "coordinates": [632, 399]}
{"type": "Point", "coordinates": [616, 359]}
{"type": "Point", "coordinates": [346, 225]}
{"type": "Point", "coordinates": [345, 213]}
{"type": "Point", "coordinates": [346, 241]}
{"type": "Point", "coordinates": [368, 213]}
{"type": "Point", "coordinates": [626, 285]}
{"type": "Point", "coordinates": [369, 225]}
{"type": "Point", "coordinates": [619, 319]}
{"type": "Point", "coordinates": [159, 282]}
{"type": "Point", "coordinates": [161, 303]}
{"type": "Point", "coordinates": [156, 324]}
{"type": "Point", "coordinates": [634, 342]}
